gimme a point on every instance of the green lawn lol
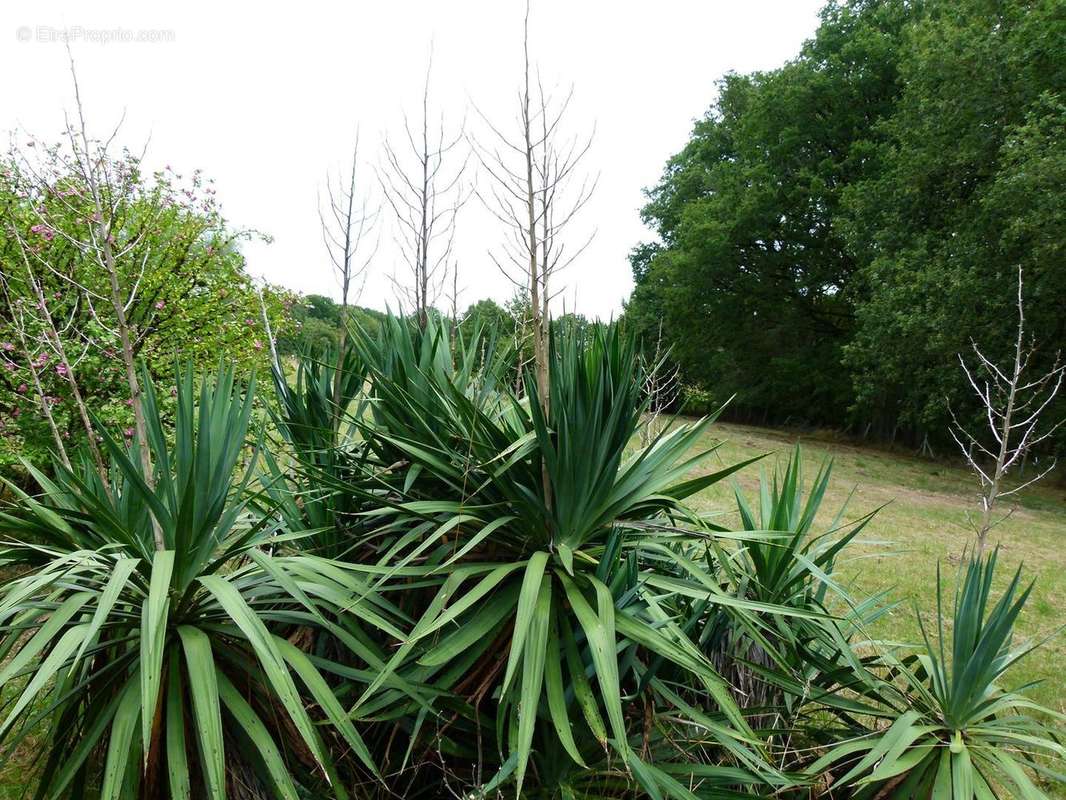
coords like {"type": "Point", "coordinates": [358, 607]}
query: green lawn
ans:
{"type": "Point", "coordinates": [922, 523]}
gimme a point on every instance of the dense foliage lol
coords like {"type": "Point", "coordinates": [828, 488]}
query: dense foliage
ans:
{"type": "Point", "coordinates": [316, 324]}
{"type": "Point", "coordinates": [191, 297]}
{"type": "Point", "coordinates": [415, 580]}
{"type": "Point", "coordinates": [836, 230]}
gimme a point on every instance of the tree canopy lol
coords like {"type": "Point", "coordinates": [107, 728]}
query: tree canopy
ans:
{"type": "Point", "coordinates": [836, 230]}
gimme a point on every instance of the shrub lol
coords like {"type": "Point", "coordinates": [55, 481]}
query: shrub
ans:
{"type": "Point", "coordinates": [143, 664]}
{"type": "Point", "coordinates": [954, 732]}
{"type": "Point", "coordinates": [697, 402]}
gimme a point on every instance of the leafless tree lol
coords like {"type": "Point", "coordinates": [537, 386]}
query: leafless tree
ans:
{"type": "Point", "coordinates": [347, 221]}
{"type": "Point", "coordinates": [662, 387]}
{"type": "Point", "coordinates": [423, 180]}
{"type": "Point", "coordinates": [1013, 403]}
{"type": "Point", "coordinates": [453, 296]}
{"type": "Point", "coordinates": [537, 189]}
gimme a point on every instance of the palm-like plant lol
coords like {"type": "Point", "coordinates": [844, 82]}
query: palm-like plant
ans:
{"type": "Point", "coordinates": [547, 601]}
{"type": "Point", "coordinates": [956, 734]}
{"type": "Point", "coordinates": [314, 417]}
{"type": "Point", "coordinates": [142, 666]}
{"type": "Point", "coordinates": [783, 558]}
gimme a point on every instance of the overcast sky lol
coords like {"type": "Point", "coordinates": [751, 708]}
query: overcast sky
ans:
{"type": "Point", "coordinates": [265, 98]}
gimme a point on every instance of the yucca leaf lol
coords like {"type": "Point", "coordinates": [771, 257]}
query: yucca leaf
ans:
{"type": "Point", "coordinates": [56, 621]}
{"type": "Point", "coordinates": [326, 700]}
{"type": "Point", "coordinates": [177, 759]}
{"type": "Point", "coordinates": [532, 677]}
{"type": "Point", "coordinates": [599, 631]}
{"type": "Point", "coordinates": [270, 659]}
{"type": "Point", "coordinates": [106, 601]}
{"type": "Point", "coordinates": [203, 692]}
{"type": "Point", "coordinates": [474, 629]}
{"type": "Point", "coordinates": [71, 639]}
{"type": "Point", "coordinates": [121, 742]}
{"type": "Point", "coordinates": [556, 694]}
{"type": "Point", "coordinates": [528, 600]}
{"type": "Point", "coordinates": [582, 690]}
{"type": "Point", "coordinates": [153, 634]}
{"type": "Point", "coordinates": [253, 728]}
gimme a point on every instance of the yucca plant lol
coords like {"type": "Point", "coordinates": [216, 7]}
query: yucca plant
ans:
{"type": "Point", "coordinates": [955, 733]}
{"type": "Point", "coordinates": [782, 558]}
{"type": "Point", "coordinates": [544, 608]}
{"type": "Point", "coordinates": [141, 667]}
{"type": "Point", "coordinates": [321, 452]}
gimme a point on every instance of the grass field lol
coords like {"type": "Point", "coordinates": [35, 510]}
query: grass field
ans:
{"type": "Point", "coordinates": [923, 522]}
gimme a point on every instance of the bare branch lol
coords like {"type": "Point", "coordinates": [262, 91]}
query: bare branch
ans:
{"type": "Point", "coordinates": [1014, 394]}
{"type": "Point", "coordinates": [425, 187]}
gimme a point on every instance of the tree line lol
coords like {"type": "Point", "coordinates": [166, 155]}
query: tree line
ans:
{"type": "Point", "coordinates": [837, 230]}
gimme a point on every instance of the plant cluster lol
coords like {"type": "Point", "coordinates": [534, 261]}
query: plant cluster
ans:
{"type": "Point", "coordinates": [415, 581]}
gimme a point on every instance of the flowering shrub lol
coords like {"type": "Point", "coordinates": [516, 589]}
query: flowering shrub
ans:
{"type": "Point", "coordinates": [191, 294]}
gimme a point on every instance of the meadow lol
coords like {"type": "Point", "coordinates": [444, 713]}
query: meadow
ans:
{"type": "Point", "coordinates": [921, 525]}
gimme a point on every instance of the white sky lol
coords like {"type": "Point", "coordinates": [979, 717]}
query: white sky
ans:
{"type": "Point", "coordinates": [266, 97]}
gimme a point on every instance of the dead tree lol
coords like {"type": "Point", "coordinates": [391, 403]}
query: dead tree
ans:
{"type": "Point", "coordinates": [423, 181]}
{"type": "Point", "coordinates": [347, 220]}
{"type": "Point", "coordinates": [662, 387]}
{"type": "Point", "coordinates": [1013, 403]}
{"type": "Point", "coordinates": [536, 191]}
{"type": "Point", "coordinates": [453, 297]}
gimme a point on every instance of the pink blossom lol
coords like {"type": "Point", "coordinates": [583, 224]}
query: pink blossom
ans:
{"type": "Point", "coordinates": [22, 388]}
{"type": "Point", "coordinates": [62, 370]}
{"type": "Point", "coordinates": [160, 305]}
{"type": "Point", "coordinates": [249, 321]}
{"type": "Point", "coordinates": [43, 230]}
{"type": "Point", "coordinates": [129, 402]}
{"type": "Point", "coordinates": [7, 346]}
{"type": "Point", "coordinates": [128, 433]}
{"type": "Point", "coordinates": [258, 345]}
